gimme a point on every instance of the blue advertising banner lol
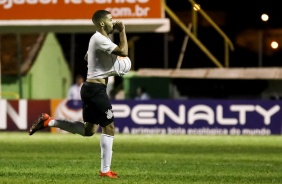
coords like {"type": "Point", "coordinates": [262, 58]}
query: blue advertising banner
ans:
{"type": "Point", "coordinates": [198, 117]}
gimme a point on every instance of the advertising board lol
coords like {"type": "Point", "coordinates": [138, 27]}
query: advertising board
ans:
{"type": "Point", "coordinates": [78, 9]}
{"type": "Point", "coordinates": [213, 117]}
{"type": "Point", "coordinates": [193, 117]}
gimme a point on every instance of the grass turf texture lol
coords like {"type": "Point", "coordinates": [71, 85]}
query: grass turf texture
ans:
{"type": "Point", "coordinates": [67, 158]}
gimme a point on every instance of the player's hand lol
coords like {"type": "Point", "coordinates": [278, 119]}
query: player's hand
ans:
{"type": "Point", "coordinates": [118, 25]}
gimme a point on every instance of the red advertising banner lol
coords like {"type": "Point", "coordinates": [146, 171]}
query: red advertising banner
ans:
{"type": "Point", "coordinates": [18, 115]}
{"type": "Point", "coordinates": [78, 9]}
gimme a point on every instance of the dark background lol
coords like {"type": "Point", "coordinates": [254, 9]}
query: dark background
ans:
{"type": "Point", "coordinates": [233, 17]}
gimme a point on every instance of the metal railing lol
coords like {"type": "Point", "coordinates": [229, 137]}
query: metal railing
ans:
{"type": "Point", "coordinates": [193, 35]}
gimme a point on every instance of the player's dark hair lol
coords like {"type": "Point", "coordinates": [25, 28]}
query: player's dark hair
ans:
{"type": "Point", "coordinates": [98, 15]}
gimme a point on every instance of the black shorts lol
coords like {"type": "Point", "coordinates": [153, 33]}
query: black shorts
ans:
{"type": "Point", "coordinates": [97, 108]}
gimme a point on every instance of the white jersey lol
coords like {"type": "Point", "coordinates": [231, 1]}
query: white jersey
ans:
{"type": "Point", "coordinates": [100, 60]}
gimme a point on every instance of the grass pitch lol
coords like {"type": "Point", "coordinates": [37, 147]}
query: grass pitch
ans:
{"type": "Point", "coordinates": [67, 158]}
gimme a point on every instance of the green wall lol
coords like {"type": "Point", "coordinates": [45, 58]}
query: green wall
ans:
{"type": "Point", "coordinates": [157, 87]}
{"type": "Point", "coordinates": [49, 76]}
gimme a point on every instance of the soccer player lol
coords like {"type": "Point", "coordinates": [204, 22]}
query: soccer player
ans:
{"type": "Point", "coordinates": [97, 109]}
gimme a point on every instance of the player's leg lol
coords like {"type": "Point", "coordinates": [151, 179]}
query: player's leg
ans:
{"type": "Point", "coordinates": [97, 109]}
{"type": "Point", "coordinates": [88, 92]}
{"type": "Point", "coordinates": [75, 127]}
{"type": "Point", "coordinates": [90, 129]}
{"type": "Point", "coordinates": [106, 143]}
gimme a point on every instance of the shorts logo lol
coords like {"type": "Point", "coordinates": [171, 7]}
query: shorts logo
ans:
{"type": "Point", "coordinates": [109, 113]}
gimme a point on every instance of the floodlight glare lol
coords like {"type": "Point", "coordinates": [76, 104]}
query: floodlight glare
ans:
{"type": "Point", "coordinates": [197, 7]}
{"type": "Point", "coordinates": [274, 45]}
{"type": "Point", "coordinates": [264, 17]}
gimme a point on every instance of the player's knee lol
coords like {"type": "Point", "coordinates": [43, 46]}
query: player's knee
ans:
{"type": "Point", "coordinates": [88, 133]}
{"type": "Point", "coordinates": [89, 129]}
{"type": "Point", "coordinates": [109, 129]}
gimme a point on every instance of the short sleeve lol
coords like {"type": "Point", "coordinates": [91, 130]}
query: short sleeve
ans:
{"type": "Point", "coordinates": [105, 44]}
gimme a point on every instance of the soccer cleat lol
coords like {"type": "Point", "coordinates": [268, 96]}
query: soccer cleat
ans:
{"type": "Point", "coordinates": [114, 173]}
{"type": "Point", "coordinates": [40, 123]}
{"type": "Point", "coordinates": [109, 174]}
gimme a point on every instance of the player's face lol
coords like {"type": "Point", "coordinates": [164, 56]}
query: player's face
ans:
{"type": "Point", "coordinates": [109, 27]}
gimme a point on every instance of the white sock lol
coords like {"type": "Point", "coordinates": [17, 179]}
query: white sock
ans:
{"type": "Point", "coordinates": [106, 144]}
{"type": "Point", "coordinates": [75, 127]}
